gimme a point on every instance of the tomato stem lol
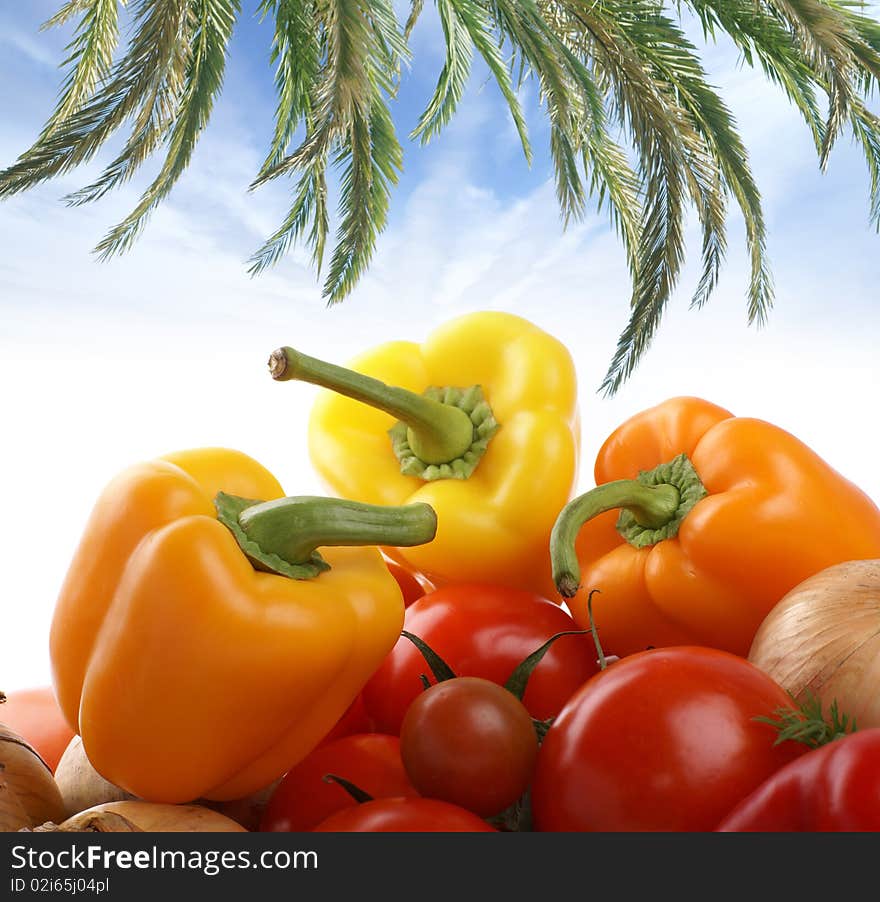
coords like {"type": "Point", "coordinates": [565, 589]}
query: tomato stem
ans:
{"type": "Point", "coordinates": [603, 663]}
{"type": "Point", "coordinates": [358, 794]}
{"type": "Point", "coordinates": [439, 668]}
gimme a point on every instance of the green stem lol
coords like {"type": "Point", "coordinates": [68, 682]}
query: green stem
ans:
{"type": "Point", "coordinates": [358, 794]}
{"type": "Point", "coordinates": [437, 433]}
{"type": "Point", "coordinates": [283, 535]}
{"type": "Point", "coordinates": [653, 507]}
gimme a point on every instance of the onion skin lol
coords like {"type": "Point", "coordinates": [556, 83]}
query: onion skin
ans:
{"type": "Point", "coordinates": [83, 787]}
{"type": "Point", "coordinates": [247, 811]}
{"type": "Point", "coordinates": [29, 794]}
{"type": "Point", "coordinates": [823, 639]}
{"type": "Point", "coordinates": [134, 816]}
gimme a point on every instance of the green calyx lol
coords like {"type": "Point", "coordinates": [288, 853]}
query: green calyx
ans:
{"type": "Point", "coordinates": [653, 506]}
{"type": "Point", "coordinates": [647, 525]}
{"type": "Point", "coordinates": [414, 461]}
{"type": "Point", "coordinates": [440, 434]}
{"type": "Point", "coordinates": [282, 536]}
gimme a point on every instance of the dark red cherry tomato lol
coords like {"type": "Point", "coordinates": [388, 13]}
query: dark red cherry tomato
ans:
{"type": "Point", "coordinates": [471, 742]}
{"type": "Point", "coordinates": [484, 631]}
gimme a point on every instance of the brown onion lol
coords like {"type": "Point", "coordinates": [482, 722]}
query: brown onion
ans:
{"type": "Point", "coordinates": [83, 787]}
{"type": "Point", "coordinates": [248, 811]}
{"type": "Point", "coordinates": [146, 817]}
{"type": "Point", "coordinates": [80, 784]}
{"type": "Point", "coordinates": [823, 639]}
{"type": "Point", "coordinates": [29, 794]}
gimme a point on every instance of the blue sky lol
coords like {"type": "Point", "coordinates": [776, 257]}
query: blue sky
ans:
{"type": "Point", "coordinates": [165, 348]}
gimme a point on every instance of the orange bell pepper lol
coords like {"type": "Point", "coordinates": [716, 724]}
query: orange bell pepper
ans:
{"type": "Point", "coordinates": [699, 523]}
{"type": "Point", "coordinates": [200, 658]}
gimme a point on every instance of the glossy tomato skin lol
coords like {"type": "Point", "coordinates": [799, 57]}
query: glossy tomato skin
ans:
{"type": "Point", "coordinates": [303, 798]}
{"type": "Point", "coordinates": [354, 720]}
{"type": "Point", "coordinates": [35, 715]}
{"type": "Point", "coordinates": [413, 584]}
{"type": "Point", "coordinates": [471, 742]}
{"type": "Point", "coordinates": [404, 816]}
{"type": "Point", "coordinates": [662, 740]}
{"type": "Point", "coordinates": [831, 789]}
{"type": "Point", "coordinates": [484, 631]}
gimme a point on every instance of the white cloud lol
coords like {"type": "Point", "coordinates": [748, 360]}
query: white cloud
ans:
{"type": "Point", "coordinates": [23, 43]}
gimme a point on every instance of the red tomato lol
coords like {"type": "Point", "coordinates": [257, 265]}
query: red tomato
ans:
{"type": "Point", "coordinates": [303, 798]}
{"type": "Point", "coordinates": [354, 720]}
{"type": "Point", "coordinates": [413, 584]}
{"type": "Point", "coordinates": [662, 740]}
{"type": "Point", "coordinates": [404, 816]}
{"type": "Point", "coordinates": [834, 788]}
{"type": "Point", "coordinates": [35, 715]}
{"type": "Point", "coordinates": [470, 742]}
{"type": "Point", "coordinates": [483, 631]}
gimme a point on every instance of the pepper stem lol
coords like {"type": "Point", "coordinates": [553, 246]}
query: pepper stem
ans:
{"type": "Point", "coordinates": [282, 536]}
{"type": "Point", "coordinates": [653, 507]}
{"type": "Point", "coordinates": [437, 433]}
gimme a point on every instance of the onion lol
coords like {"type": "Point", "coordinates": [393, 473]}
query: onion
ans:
{"type": "Point", "coordinates": [80, 784]}
{"type": "Point", "coordinates": [133, 816]}
{"type": "Point", "coordinates": [248, 811]}
{"type": "Point", "coordinates": [83, 787]}
{"type": "Point", "coordinates": [29, 794]}
{"type": "Point", "coordinates": [823, 639]}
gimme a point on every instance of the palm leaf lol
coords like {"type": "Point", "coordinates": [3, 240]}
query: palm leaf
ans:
{"type": "Point", "coordinates": [159, 30]}
{"type": "Point", "coordinates": [210, 24]}
{"type": "Point", "coordinates": [296, 52]}
{"type": "Point", "coordinates": [633, 122]}
{"type": "Point", "coordinates": [90, 53]}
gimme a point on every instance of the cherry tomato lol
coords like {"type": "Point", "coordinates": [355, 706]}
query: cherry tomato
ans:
{"type": "Point", "coordinates": [484, 631]}
{"type": "Point", "coordinates": [404, 816]}
{"type": "Point", "coordinates": [35, 715]}
{"type": "Point", "coordinates": [303, 798]}
{"type": "Point", "coordinates": [470, 742]}
{"type": "Point", "coordinates": [413, 584]}
{"type": "Point", "coordinates": [663, 740]}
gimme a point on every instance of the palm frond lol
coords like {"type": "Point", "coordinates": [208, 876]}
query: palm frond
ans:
{"type": "Point", "coordinates": [713, 122]}
{"type": "Point", "coordinates": [415, 12]}
{"type": "Point", "coordinates": [373, 158]}
{"type": "Point", "coordinates": [453, 76]}
{"type": "Point", "coordinates": [767, 41]}
{"type": "Point", "coordinates": [633, 122]}
{"type": "Point", "coordinates": [866, 128]}
{"type": "Point", "coordinates": [467, 24]}
{"type": "Point", "coordinates": [824, 38]}
{"type": "Point", "coordinates": [296, 53]}
{"type": "Point", "coordinates": [160, 28]}
{"type": "Point", "coordinates": [90, 53]}
{"type": "Point", "coordinates": [349, 119]}
{"type": "Point", "coordinates": [656, 126]}
{"type": "Point", "coordinates": [210, 24]}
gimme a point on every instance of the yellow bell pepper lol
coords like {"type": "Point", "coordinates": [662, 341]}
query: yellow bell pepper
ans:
{"type": "Point", "coordinates": [200, 644]}
{"type": "Point", "coordinates": [480, 422]}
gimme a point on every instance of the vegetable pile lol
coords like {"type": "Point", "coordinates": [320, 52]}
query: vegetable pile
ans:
{"type": "Point", "coordinates": [453, 639]}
